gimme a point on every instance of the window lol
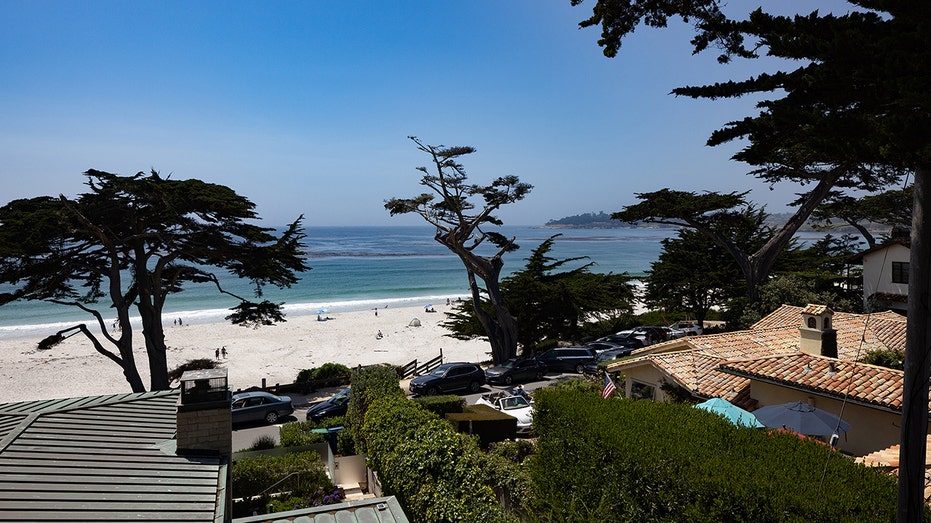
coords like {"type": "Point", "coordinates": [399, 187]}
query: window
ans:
{"type": "Point", "coordinates": [811, 323]}
{"type": "Point", "coordinates": [641, 391]}
{"type": "Point", "coordinates": [899, 272]}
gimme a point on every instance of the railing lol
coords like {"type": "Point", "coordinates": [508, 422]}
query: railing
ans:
{"type": "Point", "coordinates": [414, 369]}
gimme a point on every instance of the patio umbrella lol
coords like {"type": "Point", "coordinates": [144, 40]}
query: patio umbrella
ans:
{"type": "Point", "coordinates": [802, 418]}
{"type": "Point", "coordinates": [731, 412]}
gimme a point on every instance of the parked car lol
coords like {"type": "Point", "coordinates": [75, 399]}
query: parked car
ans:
{"type": "Point", "coordinates": [618, 340]}
{"type": "Point", "coordinates": [515, 370]}
{"type": "Point", "coordinates": [515, 406]}
{"type": "Point", "coordinates": [649, 334]}
{"type": "Point", "coordinates": [608, 355]}
{"type": "Point", "coordinates": [258, 406]}
{"type": "Point", "coordinates": [335, 406]}
{"type": "Point", "coordinates": [449, 377]}
{"type": "Point", "coordinates": [567, 359]}
{"type": "Point", "coordinates": [689, 328]}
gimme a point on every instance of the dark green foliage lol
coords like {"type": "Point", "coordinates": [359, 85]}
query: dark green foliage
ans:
{"type": "Point", "coordinates": [251, 476]}
{"type": "Point", "coordinates": [693, 274]}
{"type": "Point", "coordinates": [195, 364]}
{"type": "Point", "coordinates": [889, 208]}
{"type": "Point", "coordinates": [433, 471]}
{"type": "Point", "coordinates": [323, 372]}
{"type": "Point", "coordinates": [462, 225]}
{"type": "Point", "coordinates": [442, 405]}
{"type": "Point", "coordinates": [504, 469]}
{"type": "Point", "coordinates": [551, 304]}
{"type": "Point", "coordinates": [263, 442]}
{"type": "Point", "coordinates": [892, 359]}
{"type": "Point", "coordinates": [298, 434]}
{"type": "Point", "coordinates": [368, 385]}
{"type": "Point", "coordinates": [128, 244]}
{"type": "Point", "coordinates": [627, 460]}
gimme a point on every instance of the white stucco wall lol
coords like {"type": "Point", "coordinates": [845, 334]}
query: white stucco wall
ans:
{"type": "Point", "coordinates": [877, 271]}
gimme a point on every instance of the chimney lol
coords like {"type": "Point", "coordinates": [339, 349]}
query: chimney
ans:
{"type": "Point", "coordinates": [204, 420]}
{"type": "Point", "coordinates": [816, 336]}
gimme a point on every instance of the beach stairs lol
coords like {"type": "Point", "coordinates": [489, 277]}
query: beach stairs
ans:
{"type": "Point", "coordinates": [354, 492]}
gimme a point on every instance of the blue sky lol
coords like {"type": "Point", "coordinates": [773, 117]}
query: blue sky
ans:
{"type": "Point", "coordinates": [305, 107]}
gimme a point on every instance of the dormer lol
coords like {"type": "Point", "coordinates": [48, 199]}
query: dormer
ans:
{"type": "Point", "coordinates": [816, 333]}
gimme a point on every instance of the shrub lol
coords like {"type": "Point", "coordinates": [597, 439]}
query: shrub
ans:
{"type": "Point", "coordinates": [626, 460]}
{"type": "Point", "coordinates": [368, 385]}
{"type": "Point", "coordinates": [434, 472]}
{"type": "Point", "coordinates": [252, 476]}
{"type": "Point", "coordinates": [298, 434]}
{"type": "Point", "coordinates": [325, 371]}
{"type": "Point", "coordinates": [442, 405]}
{"type": "Point", "coordinates": [264, 442]}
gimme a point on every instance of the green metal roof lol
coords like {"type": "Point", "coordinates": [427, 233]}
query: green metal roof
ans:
{"type": "Point", "coordinates": [373, 510]}
{"type": "Point", "coordinates": [102, 458]}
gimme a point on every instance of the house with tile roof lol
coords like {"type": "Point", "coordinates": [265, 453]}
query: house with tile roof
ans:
{"type": "Point", "coordinates": [794, 354]}
{"type": "Point", "coordinates": [885, 275]}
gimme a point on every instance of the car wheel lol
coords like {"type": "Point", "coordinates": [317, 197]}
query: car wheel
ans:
{"type": "Point", "coordinates": [507, 380]}
{"type": "Point", "coordinates": [579, 369]}
{"type": "Point", "coordinates": [271, 417]}
{"type": "Point", "coordinates": [431, 391]}
{"type": "Point", "coordinates": [474, 386]}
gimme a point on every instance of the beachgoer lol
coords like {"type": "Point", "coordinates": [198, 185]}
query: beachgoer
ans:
{"type": "Point", "coordinates": [180, 322]}
{"type": "Point", "coordinates": [379, 335]}
{"type": "Point", "coordinates": [218, 353]}
{"type": "Point", "coordinates": [319, 318]}
{"type": "Point", "coordinates": [223, 351]}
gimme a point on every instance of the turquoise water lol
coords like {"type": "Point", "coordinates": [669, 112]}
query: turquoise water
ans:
{"type": "Point", "coordinates": [357, 268]}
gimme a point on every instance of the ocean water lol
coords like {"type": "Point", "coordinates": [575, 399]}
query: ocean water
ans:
{"type": "Point", "coordinates": [358, 268]}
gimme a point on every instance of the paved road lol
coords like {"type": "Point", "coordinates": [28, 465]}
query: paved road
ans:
{"type": "Point", "coordinates": [244, 435]}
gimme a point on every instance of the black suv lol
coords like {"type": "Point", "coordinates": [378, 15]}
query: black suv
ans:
{"type": "Point", "coordinates": [449, 376]}
{"type": "Point", "coordinates": [567, 359]}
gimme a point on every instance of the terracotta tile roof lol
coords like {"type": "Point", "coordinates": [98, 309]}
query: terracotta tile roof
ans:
{"type": "Point", "coordinates": [889, 459]}
{"type": "Point", "coordinates": [816, 309]}
{"type": "Point", "coordinates": [862, 383]}
{"type": "Point", "coordinates": [773, 342]}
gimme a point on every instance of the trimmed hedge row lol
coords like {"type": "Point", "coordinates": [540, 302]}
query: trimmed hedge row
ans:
{"type": "Point", "coordinates": [442, 405]}
{"type": "Point", "coordinates": [627, 460]}
{"type": "Point", "coordinates": [253, 475]}
{"type": "Point", "coordinates": [433, 471]}
{"type": "Point", "coordinates": [368, 385]}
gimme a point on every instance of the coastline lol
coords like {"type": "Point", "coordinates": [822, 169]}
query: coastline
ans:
{"type": "Point", "coordinates": [274, 353]}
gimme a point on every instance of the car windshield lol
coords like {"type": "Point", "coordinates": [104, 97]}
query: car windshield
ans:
{"type": "Point", "coordinates": [514, 402]}
{"type": "Point", "coordinates": [509, 364]}
{"type": "Point", "coordinates": [439, 371]}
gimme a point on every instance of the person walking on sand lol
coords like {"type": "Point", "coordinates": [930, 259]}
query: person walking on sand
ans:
{"type": "Point", "coordinates": [218, 353]}
{"type": "Point", "coordinates": [223, 351]}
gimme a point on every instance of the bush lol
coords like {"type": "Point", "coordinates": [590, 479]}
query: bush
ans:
{"type": "Point", "coordinates": [298, 434]}
{"type": "Point", "coordinates": [434, 472]}
{"type": "Point", "coordinates": [264, 442]}
{"type": "Point", "coordinates": [252, 476]}
{"type": "Point", "coordinates": [626, 460]}
{"type": "Point", "coordinates": [368, 385]}
{"type": "Point", "coordinates": [442, 405]}
{"type": "Point", "coordinates": [323, 372]}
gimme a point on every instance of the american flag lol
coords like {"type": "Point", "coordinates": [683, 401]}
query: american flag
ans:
{"type": "Point", "coordinates": [609, 388]}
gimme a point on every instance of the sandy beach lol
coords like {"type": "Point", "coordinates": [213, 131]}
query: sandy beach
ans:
{"type": "Point", "coordinates": [276, 353]}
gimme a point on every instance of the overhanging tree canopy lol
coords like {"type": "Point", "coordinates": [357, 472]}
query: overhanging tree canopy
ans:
{"type": "Point", "coordinates": [134, 241]}
{"type": "Point", "coordinates": [462, 228]}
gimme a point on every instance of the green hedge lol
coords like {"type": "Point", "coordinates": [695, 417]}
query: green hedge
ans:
{"type": "Point", "coordinates": [442, 405]}
{"type": "Point", "coordinates": [368, 384]}
{"type": "Point", "coordinates": [253, 475]}
{"type": "Point", "coordinates": [434, 472]}
{"type": "Point", "coordinates": [298, 434]}
{"type": "Point", "coordinates": [626, 460]}
{"type": "Point", "coordinates": [325, 371]}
